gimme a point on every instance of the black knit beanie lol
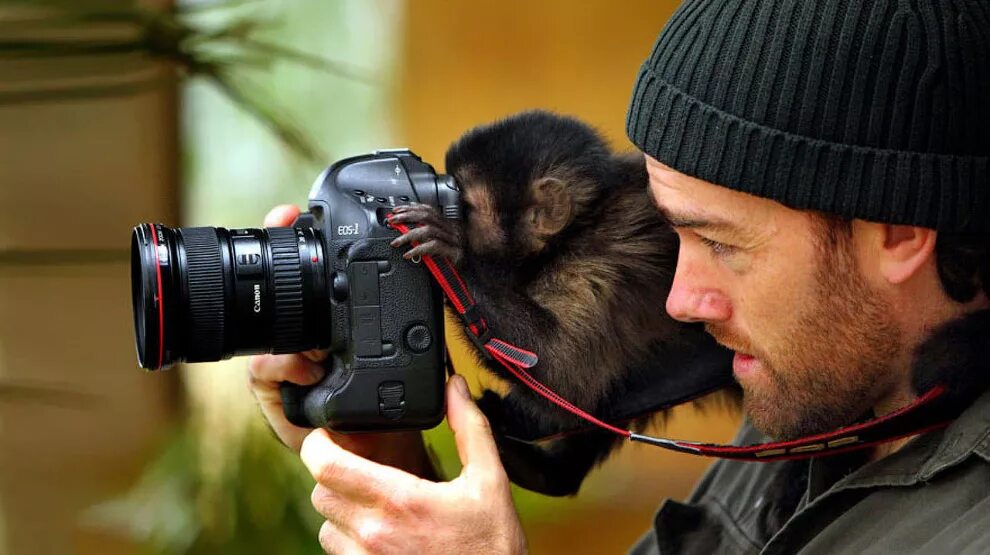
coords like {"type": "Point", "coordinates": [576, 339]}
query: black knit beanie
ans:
{"type": "Point", "coordinates": [877, 109]}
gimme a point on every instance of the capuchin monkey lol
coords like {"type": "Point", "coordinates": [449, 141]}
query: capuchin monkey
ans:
{"type": "Point", "coordinates": [567, 257]}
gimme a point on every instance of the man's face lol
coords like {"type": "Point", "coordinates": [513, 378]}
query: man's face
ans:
{"type": "Point", "coordinates": [813, 339]}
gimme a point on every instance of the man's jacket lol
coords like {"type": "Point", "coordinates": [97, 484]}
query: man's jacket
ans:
{"type": "Point", "coordinates": [931, 496]}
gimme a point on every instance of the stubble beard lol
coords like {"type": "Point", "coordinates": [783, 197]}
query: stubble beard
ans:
{"type": "Point", "coordinates": [834, 365]}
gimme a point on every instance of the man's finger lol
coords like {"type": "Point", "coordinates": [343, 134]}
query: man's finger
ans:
{"type": "Point", "coordinates": [282, 215]}
{"type": "Point", "coordinates": [334, 540]}
{"type": "Point", "coordinates": [284, 368]}
{"type": "Point", "coordinates": [340, 470]}
{"type": "Point", "coordinates": [333, 506]}
{"type": "Point", "coordinates": [473, 435]}
{"type": "Point", "coordinates": [316, 355]}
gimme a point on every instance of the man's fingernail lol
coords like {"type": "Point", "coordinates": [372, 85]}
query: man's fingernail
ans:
{"type": "Point", "coordinates": [461, 386]}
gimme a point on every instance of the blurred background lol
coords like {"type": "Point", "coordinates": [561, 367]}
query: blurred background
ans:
{"type": "Point", "coordinates": [208, 112]}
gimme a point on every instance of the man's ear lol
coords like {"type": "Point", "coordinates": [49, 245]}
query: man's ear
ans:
{"type": "Point", "coordinates": [553, 206]}
{"type": "Point", "coordinates": [903, 249]}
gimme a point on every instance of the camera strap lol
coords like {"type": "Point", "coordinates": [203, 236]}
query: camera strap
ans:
{"type": "Point", "coordinates": [932, 410]}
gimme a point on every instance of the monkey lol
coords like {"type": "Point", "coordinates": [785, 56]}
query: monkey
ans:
{"type": "Point", "coordinates": [566, 256]}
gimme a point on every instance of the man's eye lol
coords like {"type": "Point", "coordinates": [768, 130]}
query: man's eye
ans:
{"type": "Point", "coordinates": [718, 249]}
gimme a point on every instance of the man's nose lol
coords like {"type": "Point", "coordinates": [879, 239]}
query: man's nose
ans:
{"type": "Point", "coordinates": [691, 302]}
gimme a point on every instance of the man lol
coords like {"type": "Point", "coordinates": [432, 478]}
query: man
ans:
{"type": "Point", "coordinates": [825, 165]}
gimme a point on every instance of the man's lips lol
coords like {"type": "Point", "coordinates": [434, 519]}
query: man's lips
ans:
{"type": "Point", "coordinates": [743, 364]}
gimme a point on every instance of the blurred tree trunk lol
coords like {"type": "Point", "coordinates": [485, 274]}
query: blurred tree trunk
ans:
{"type": "Point", "coordinates": [78, 169]}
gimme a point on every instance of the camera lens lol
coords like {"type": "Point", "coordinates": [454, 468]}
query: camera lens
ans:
{"type": "Point", "coordinates": [208, 293]}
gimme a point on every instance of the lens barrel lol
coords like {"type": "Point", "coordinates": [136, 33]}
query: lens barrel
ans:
{"type": "Point", "coordinates": [208, 293]}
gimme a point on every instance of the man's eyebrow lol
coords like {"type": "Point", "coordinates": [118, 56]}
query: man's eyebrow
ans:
{"type": "Point", "coordinates": [693, 220]}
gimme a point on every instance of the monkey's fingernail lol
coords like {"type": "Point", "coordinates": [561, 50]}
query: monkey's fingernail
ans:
{"type": "Point", "coordinates": [394, 243]}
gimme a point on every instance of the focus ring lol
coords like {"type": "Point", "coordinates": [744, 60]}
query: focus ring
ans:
{"type": "Point", "coordinates": [206, 292]}
{"type": "Point", "coordinates": [287, 282]}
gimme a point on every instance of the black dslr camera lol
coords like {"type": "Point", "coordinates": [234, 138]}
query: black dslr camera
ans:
{"type": "Point", "coordinates": [331, 281]}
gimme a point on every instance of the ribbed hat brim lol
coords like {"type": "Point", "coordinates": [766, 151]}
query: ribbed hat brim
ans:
{"type": "Point", "coordinates": [944, 192]}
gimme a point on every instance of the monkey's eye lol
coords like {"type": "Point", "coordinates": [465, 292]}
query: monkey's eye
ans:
{"type": "Point", "coordinates": [718, 249]}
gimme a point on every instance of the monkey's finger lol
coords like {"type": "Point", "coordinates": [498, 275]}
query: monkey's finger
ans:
{"type": "Point", "coordinates": [417, 213]}
{"type": "Point", "coordinates": [413, 218]}
{"type": "Point", "coordinates": [432, 248]}
{"type": "Point", "coordinates": [422, 234]}
{"type": "Point", "coordinates": [282, 215]}
{"type": "Point", "coordinates": [414, 206]}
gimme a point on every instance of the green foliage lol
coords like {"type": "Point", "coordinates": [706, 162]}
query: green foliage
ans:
{"type": "Point", "coordinates": [258, 502]}
{"type": "Point", "coordinates": [255, 501]}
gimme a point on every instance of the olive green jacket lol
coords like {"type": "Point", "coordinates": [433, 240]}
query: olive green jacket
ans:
{"type": "Point", "coordinates": [931, 496]}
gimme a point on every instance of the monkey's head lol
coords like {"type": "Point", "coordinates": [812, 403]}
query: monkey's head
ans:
{"type": "Point", "coordinates": [526, 181]}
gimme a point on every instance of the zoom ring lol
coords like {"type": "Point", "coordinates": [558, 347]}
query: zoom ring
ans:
{"type": "Point", "coordinates": [287, 330]}
{"type": "Point", "coordinates": [206, 292]}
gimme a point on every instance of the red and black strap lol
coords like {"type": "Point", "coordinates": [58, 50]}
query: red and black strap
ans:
{"type": "Point", "coordinates": [923, 415]}
{"type": "Point", "coordinates": [907, 421]}
{"type": "Point", "coordinates": [453, 286]}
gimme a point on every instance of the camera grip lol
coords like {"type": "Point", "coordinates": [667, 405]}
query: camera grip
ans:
{"type": "Point", "coordinates": [293, 400]}
{"type": "Point", "coordinates": [305, 405]}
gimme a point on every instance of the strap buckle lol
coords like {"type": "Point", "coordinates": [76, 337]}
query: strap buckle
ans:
{"type": "Point", "coordinates": [481, 341]}
{"type": "Point", "coordinates": [472, 317]}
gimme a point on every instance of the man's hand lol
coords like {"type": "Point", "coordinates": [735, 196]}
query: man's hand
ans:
{"type": "Point", "coordinates": [400, 449]}
{"type": "Point", "coordinates": [372, 508]}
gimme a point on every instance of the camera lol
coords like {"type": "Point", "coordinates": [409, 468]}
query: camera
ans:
{"type": "Point", "coordinates": [330, 281]}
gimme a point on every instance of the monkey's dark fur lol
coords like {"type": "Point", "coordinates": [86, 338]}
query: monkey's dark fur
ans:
{"type": "Point", "coordinates": [567, 257]}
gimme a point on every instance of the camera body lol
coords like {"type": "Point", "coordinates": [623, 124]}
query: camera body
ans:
{"type": "Point", "coordinates": [387, 356]}
{"type": "Point", "coordinates": [331, 281]}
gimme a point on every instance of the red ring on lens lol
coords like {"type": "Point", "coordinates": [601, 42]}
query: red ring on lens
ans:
{"type": "Point", "coordinates": [161, 303]}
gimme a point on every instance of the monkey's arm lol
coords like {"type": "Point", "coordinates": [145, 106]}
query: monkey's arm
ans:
{"type": "Point", "coordinates": [669, 376]}
{"type": "Point", "coordinates": [553, 467]}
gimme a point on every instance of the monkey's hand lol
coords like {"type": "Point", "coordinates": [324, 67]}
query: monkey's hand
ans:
{"type": "Point", "coordinates": [492, 406]}
{"type": "Point", "coordinates": [435, 235]}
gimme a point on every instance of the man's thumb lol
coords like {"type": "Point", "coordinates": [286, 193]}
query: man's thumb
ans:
{"type": "Point", "coordinates": [473, 436]}
{"type": "Point", "coordinates": [282, 215]}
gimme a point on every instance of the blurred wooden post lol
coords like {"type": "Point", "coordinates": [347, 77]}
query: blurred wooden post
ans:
{"type": "Point", "coordinates": [77, 417]}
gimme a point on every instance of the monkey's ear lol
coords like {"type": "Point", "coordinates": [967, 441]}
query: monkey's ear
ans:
{"type": "Point", "coordinates": [553, 206]}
